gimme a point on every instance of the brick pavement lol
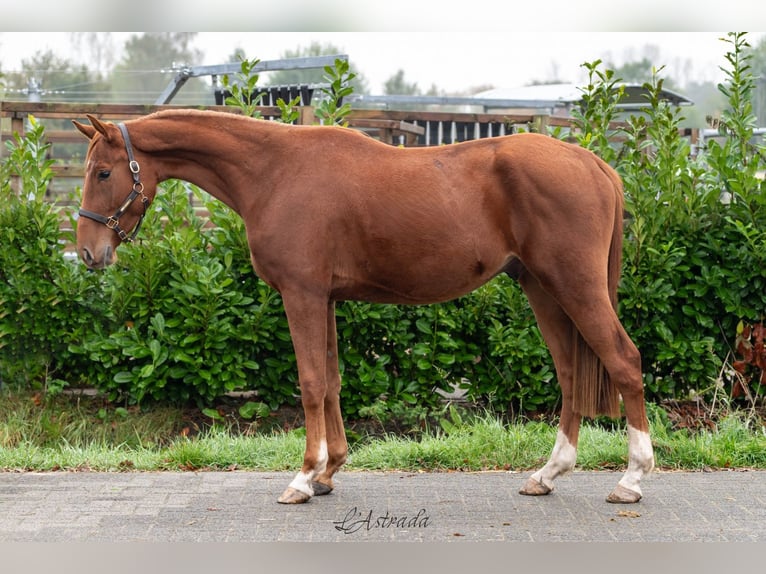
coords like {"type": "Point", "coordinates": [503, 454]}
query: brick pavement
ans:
{"type": "Point", "coordinates": [241, 506]}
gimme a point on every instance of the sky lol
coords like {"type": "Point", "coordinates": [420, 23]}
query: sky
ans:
{"type": "Point", "coordinates": [451, 45]}
{"type": "Point", "coordinates": [452, 62]}
{"type": "Point", "coordinates": [474, 59]}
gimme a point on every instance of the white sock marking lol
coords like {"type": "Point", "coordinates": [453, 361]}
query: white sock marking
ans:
{"type": "Point", "coordinates": [640, 459]}
{"type": "Point", "coordinates": [302, 481]}
{"type": "Point", "coordinates": [562, 460]}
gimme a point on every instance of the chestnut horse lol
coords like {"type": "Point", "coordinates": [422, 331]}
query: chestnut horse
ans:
{"type": "Point", "coordinates": [332, 214]}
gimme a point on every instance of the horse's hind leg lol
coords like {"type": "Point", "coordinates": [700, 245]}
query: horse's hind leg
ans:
{"type": "Point", "coordinates": [555, 327]}
{"type": "Point", "coordinates": [591, 310]}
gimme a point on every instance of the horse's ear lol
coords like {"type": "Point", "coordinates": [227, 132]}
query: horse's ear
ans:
{"type": "Point", "coordinates": [88, 131]}
{"type": "Point", "coordinates": [101, 127]}
{"type": "Point", "coordinates": [97, 126]}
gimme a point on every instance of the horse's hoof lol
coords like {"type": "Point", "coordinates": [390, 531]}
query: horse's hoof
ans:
{"type": "Point", "coordinates": [320, 488]}
{"type": "Point", "coordinates": [622, 495]}
{"type": "Point", "coordinates": [292, 496]}
{"type": "Point", "coordinates": [535, 488]}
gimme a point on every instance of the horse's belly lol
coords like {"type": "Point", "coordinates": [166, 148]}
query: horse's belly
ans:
{"type": "Point", "coordinates": [415, 284]}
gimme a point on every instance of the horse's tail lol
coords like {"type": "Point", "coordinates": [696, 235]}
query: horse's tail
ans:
{"type": "Point", "coordinates": [594, 393]}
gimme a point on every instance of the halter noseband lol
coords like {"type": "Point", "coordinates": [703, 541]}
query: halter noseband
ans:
{"type": "Point", "coordinates": [113, 222]}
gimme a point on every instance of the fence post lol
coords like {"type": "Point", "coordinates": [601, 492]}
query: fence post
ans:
{"type": "Point", "coordinates": [17, 126]}
{"type": "Point", "coordinates": [540, 124]}
{"type": "Point", "coordinates": [307, 116]}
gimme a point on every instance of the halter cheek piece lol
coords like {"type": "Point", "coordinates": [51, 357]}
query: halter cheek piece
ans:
{"type": "Point", "coordinates": [113, 222]}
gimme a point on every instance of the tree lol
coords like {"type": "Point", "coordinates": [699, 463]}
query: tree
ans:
{"type": "Point", "coordinates": [147, 64]}
{"type": "Point", "coordinates": [45, 76]}
{"type": "Point", "coordinates": [708, 101]}
{"type": "Point", "coordinates": [236, 56]}
{"type": "Point", "coordinates": [636, 72]}
{"type": "Point", "coordinates": [96, 50]}
{"type": "Point", "coordinates": [397, 86]}
{"type": "Point", "coordinates": [758, 64]}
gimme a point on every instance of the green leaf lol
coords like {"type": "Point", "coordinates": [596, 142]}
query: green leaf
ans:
{"type": "Point", "coordinates": [155, 348]}
{"type": "Point", "coordinates": [123, 377]}
{"type": "Point", "coordinates": [213, 414]}
{"type": "Point", "coordinates": [425, 326]}
{"type": "Point", "coordinates": [254, 409]}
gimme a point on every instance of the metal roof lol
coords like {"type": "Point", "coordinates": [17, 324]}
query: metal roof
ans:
{"type": "Point", "coordinates": [566, 95]}
{"type": "Point", "coordinates": [550, 98]}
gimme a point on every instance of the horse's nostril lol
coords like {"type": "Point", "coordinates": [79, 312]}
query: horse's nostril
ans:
{"type": "Point", "coordinates": [87, 257]}
{"type": "Point", "coordinates": [108, 255]}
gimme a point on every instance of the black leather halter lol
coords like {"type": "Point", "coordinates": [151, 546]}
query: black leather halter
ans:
{"type": "Point", "coordinates": [113, 222]}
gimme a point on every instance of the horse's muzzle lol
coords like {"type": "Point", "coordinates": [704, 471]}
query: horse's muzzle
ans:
{"type": "Point", "coordinates": [107, 257]}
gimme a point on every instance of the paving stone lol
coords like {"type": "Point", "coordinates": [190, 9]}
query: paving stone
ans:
{"type": "Point", "coordinates": [239, 506]}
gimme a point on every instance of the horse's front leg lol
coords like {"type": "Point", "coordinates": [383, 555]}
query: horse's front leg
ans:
{"type": "Point", "coordinates": [307, 318]}
{"type": "Point", "coordinates": [337, 447]}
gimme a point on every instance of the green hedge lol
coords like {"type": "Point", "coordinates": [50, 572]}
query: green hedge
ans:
{"type": "Point", "coordinates": [46, 302]}
{"type": "Point", "coordinates": [695, 255]}
{"type": "Point", "coordinates": [183, 318]}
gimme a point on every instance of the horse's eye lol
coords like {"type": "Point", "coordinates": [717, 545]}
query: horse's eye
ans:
{"type": "Point", "coordinates": [104, 174]}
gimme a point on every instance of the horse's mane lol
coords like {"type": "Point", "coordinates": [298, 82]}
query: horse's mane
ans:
{"type": "Point", "coordinates": [236, 116]}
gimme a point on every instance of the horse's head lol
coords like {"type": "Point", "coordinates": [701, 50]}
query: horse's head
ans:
{"type": "Point", "coordinates": [114, 199]}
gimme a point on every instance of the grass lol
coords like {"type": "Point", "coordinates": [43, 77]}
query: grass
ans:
{"type": "Point", "coordinates": [64, 433]}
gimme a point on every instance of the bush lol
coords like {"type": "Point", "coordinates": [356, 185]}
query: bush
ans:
{"type": "Point", "coordinates": [694, 255]}
{"type": "Point", "coordinates": [46, 302]}
{"type": "Point", "coordinates": [179, 330]}
{"type": "Point", "coordinates": [403, 354]}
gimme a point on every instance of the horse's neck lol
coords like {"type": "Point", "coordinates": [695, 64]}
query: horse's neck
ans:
{"type": "Point", "coordinates": [203, 149]}
{"type": "Point", "coordinates": [202, 138]}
